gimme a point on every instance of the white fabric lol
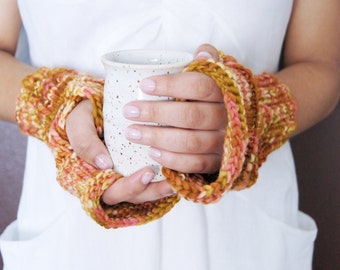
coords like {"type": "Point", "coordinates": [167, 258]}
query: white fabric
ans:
{"type": "Point", "coordinates": [258, 228]}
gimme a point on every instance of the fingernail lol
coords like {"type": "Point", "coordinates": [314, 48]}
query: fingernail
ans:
{"type": "Point", "coordinates": [103, 162]}
{"type": "Point", "coordinates": [147, 86]}
{"type": "Point", "coordinates": [147, 177]}
{"type": "Point", "coordinates": [153, 152]}
{"type": "Point", "coordinates": [203, 55]}
{"type": "Point", "coordinates": [131, 111]}
{"type": "Point", "coordinates": [132, 133]}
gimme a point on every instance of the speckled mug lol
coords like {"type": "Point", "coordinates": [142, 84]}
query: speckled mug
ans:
{"type": "Point", "coordinates": [124, 71]}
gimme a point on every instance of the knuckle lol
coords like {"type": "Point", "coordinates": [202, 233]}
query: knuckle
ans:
{"type": "Point", "coordinates": [204, 164]}
{"type": "Point", "coordinates": [222, 117]}
{"type": "Point", "coordinates": [86, 148]}
{"type": "Point", "coordinates": [153, 112]}
{"type": "Point", "coordinates": [218, 142]}
{"type": "Point", "coordinates": [205, 87]}
{"type": "Point", "coordinates": [131, 192]}
{"type": "Point", "coordinates": [199, 165]}
{"type": "Point", "coordinates": [216, 164]}
{"type": "Point", "coordinates": [193, 117]}
{"type": "Point", "coordinates": [192, 143]}
{"type": "Point", "coordinates": [81, 147]}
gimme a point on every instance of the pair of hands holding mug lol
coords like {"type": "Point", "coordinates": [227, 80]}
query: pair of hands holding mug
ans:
{"type": "Point", "coordinates": [191, 142]}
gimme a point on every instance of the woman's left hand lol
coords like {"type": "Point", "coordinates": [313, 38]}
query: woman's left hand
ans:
{"type": "Point", "coordinates": [192, 133]}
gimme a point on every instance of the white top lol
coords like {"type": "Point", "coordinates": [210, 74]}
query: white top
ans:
{"type": "Point", "coordinates": [258, 228]}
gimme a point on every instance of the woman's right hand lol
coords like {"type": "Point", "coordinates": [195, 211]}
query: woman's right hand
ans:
{"type": "Point", "coordinates": [86, 143]}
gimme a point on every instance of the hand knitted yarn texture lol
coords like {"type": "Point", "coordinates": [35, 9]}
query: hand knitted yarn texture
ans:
{"type": "Point", "coordinates": [46, 99]}
{"type": "Point", "coordinates": [261, 115]}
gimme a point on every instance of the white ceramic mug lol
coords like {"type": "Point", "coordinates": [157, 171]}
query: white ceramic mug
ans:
{"type": "Point", "coordinates": [124, 70]}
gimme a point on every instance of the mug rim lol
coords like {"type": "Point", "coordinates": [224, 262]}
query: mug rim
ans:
{"type": "Point", "coordinates": [109, 58]}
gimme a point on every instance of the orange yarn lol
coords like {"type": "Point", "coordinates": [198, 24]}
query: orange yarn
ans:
{"type": "Point", "coordinates": [46, 99]}
{"type": "Point", "coordinates": [261, 114]}
{"type": "Point", "coordinates": [266, 113]}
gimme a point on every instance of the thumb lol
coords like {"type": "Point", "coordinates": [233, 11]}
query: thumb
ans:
{"type": "Point", "coordinates": [206, 51]}
{"type": "Point", "coordinates": [83, 137]}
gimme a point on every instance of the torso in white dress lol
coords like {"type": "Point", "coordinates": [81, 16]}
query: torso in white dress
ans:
{"type": "Point", "coordinates": [258, 228]}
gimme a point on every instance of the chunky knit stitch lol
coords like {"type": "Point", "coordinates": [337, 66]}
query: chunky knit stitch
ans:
{"type": "Point", "coordinates": [261, 116]}
{"type": "Point", "coordinates": [46, 99]}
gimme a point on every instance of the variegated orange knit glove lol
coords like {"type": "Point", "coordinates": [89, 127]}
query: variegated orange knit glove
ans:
{"type": "Point", "coordinates": [261, 117]}
{"type": "Point", "coordinates": [46, 99]}
{"type": "Point", "coordinates": [261, 114]}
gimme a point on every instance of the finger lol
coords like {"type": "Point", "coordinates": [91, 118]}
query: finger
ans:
{"type": "Point", "coordinates": [206, 51]}
{"type": "Point", "coordinates": [202, 87]}
{"type": "Point", "coordinates": [187, 163]}
{"type": "Point", "coordinates": [191, 115]}
{"type": "Point", "coordinates": [187, 85]}
{"type": "Point", "coordinates": [177, 140]}
{"type": "Point", "coordinates": [83, 137]}
{"type": "Point", "coordinates": [137, 189]}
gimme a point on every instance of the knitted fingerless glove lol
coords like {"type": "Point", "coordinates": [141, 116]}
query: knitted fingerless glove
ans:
{"type": "Point", "coordinates": [261, 117]}
{"type": "Point", "coordinates": [46, 99]}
